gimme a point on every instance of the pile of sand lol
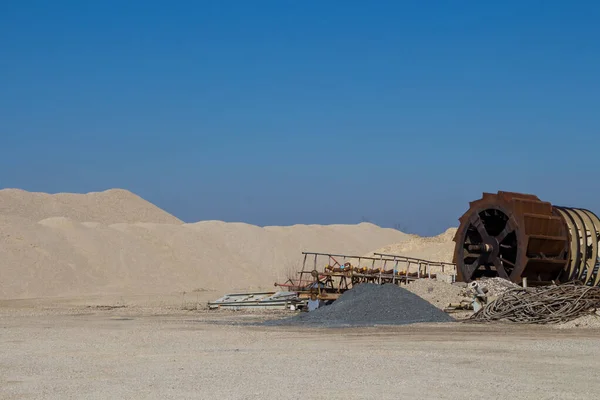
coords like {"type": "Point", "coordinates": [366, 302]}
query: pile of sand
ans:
{"type": "Point", "coordinates": [437, 248]}
{"type": "Point", "coordinates": [114, 242]}
{"type": "Point", "coordinates": [108, 207]}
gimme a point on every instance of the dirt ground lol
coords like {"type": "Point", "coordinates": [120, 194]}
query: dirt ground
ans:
{"type": "Point", "coordinates": [132, 352]}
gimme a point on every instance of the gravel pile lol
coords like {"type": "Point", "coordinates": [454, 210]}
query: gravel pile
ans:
{"type": "Point", "coordinates": [438, 293]}
{"type": "Point", "coordinates": [369, 304]}
{"type": "Point", "coordinates": [497, 286]}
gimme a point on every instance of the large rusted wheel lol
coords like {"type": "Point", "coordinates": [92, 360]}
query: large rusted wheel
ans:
{"type": "Point", "coordinates": [516, 236]}
{"type": "Point", "coordinates": [512, 236]}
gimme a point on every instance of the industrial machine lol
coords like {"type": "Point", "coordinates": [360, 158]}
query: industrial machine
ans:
{"type": "Point", "coordinates": [520, 237]}
{"type": "Point", "coordinates": [339, 274]}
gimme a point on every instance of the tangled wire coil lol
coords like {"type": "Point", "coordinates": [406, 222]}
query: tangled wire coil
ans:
{"type": "Point", "coordinates": [541, 305]}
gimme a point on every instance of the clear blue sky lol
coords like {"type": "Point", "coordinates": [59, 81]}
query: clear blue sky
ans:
{"type": "Point", "coordinates": [283, 112]}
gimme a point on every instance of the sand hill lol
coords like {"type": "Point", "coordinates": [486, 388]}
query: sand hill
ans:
{"type": "Point", "coordinates": [108, 207]}
{"type": "Point", "coordinates": [117, 243]}
{"type": "Point", "coordinates": [436, 248]}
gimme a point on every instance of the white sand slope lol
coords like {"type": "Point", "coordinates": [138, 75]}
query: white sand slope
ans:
{"type": "Point", "coordinates": [436, 248]}
{"type": "Point", "coordinates": [117, 243]}
{"type": "Point", "coordinates": [108, 207]}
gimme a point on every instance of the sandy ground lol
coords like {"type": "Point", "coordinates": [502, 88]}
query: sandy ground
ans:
{"type": "Point", "coordinates": [89, 352]}
{"type": "Point", "coordinates": [86, 331]}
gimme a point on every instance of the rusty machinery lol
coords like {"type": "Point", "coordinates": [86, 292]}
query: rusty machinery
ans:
{"type": "Point", "coordinates": [339, 275]}
{"type": "Point", "coordinates": [516, 236]}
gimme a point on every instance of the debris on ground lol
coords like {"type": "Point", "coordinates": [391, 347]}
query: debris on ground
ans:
{"type": "Point", "coordinates": [370, 304]}
{"type": "Point", "coordinates": [541, 305]}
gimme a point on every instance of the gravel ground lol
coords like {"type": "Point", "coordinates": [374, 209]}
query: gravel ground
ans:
{"type": "Point", "coordinates": [118, 354]}
{"type": "Point", "coordinates": [587, 321]}
{"type": "Point", "coordinates": [369, 304]}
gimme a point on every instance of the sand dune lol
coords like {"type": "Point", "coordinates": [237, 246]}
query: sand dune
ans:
{"type": "Point", "coordinates": [436, 248]}
{"type": "Point", "coordinates": [108, 207]}
{"type": "Point", "coordinates": [114, 242]}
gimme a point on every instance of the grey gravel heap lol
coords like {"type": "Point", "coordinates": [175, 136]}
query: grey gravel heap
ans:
{"type": "Point", "coordinates": [369, 304]}
{"type": "Point", "coordinates": [497, 286]}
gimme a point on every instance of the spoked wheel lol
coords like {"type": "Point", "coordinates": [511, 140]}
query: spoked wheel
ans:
{"type": "Point", "coordinates": [512, 236]}
{"type": "Point", "coordinates": [490, 247]}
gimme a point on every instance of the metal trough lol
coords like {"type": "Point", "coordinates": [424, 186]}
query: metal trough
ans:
{"type": "Point", "coordinates": [258, 300]}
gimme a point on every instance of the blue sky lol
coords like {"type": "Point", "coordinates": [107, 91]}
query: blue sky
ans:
{"type": "Point", "coordinates": [284, 112]}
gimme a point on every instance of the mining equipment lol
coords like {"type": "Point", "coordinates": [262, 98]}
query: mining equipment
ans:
{"type": "Point", "coordinates": [521, 238]}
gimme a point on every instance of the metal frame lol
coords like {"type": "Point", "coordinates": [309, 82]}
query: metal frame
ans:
{"type": "Point", "coordinates": [256, 300]}
{"type": "Point", "coordinates": [422, 262]}
{"type": "Point", "coordinates": [339, 275]}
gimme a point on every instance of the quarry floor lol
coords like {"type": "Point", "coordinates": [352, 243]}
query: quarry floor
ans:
{"type": "Point", "coordinates": [91, 352]}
